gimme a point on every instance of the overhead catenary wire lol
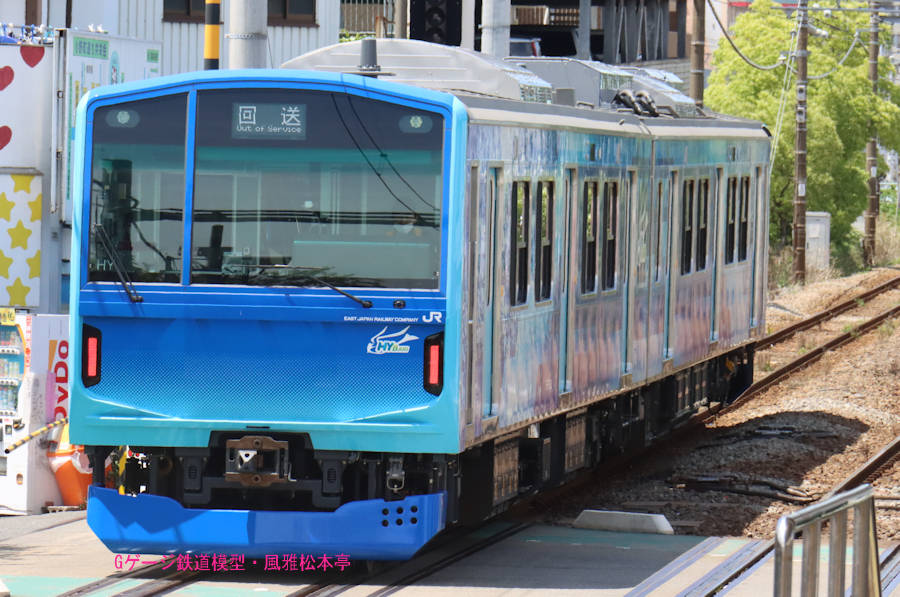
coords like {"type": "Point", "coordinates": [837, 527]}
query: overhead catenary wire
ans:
{"type": "Point", "coordinates": [840, 62]}
{"type": "Point", "coordinates": [736, 49]}
{"type": "Point", "coordinates": [782, 104]}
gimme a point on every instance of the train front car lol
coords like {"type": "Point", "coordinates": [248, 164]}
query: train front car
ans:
{"type": "Point", "coordinates": [260, 273]}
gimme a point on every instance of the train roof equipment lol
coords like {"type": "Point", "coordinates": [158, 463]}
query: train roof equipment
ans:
{"type": "Point", "coordinates": [435, 66]}
{"type": "Point", "coordinates": [545, 80]}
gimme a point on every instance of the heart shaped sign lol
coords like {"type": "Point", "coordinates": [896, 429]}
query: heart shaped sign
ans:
{"type": "Point", "coordinates": [31, 54]}
{"type": "Point", "coordinates": [6, 77]}
{"type": "Point", "coordinates": [5, 136]}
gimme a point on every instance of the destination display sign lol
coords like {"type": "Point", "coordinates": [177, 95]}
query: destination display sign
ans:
{"type": "Point", "coordinates": [268, 121]}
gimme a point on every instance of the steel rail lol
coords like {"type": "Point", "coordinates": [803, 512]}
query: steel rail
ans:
{"type": "Point", "coordinates": [865, 472]}
{"type": "Point", "coordinates": [110, 580]}
{"type": "Point", "coordinates": [824, 315]}
{"type": "Point", "coordinates": [871, 469]}
{"type": "Point", "coordinates": [804, 360]}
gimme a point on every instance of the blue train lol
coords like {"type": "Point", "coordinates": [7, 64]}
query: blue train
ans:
{"type": "Point", "coordinates": [334, 313]}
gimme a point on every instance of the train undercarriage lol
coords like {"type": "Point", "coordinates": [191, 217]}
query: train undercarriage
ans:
{"type": "Point", "coordinates": [283, 472]}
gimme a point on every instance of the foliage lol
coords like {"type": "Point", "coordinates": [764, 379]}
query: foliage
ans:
{"type": "Point", "coordinates": [345, 36]}
{"type": "Point", "coordinates": [840, 108]}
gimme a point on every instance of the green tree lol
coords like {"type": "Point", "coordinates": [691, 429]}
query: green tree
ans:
{"type": "Point", "coordinates": [840, 107]}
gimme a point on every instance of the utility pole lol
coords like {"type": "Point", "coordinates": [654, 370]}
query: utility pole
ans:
{"type": "Point", "coordinates": [698, 43]}
{"type": "Point", "coordinates": [872, 145]}
{"type": "Point", "coordinates": [800, 149]}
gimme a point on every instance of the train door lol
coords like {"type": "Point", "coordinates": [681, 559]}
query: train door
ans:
{"type": "Point", "coordinates": [492, 341]}
{"type": "Point", "coordinates": [568, 278]}
{"type": "Point", "coordinates": [659, 272]}
{"type": "Point", "coordinates": [637, 270]}
{"type": "Point", "coordinates": [716, 257]}
{"type": "Point", "coordinates": [673, 224]}
{"type": "Point", "coordinates": [473, 326]}
{"type": "Point", "coordinates": [761, 237]}
{"type": "Point", "coordinates": [754, 238]}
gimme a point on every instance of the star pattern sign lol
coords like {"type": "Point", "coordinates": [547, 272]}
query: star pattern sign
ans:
{"type": "Point", "coordinates": [20, 234]}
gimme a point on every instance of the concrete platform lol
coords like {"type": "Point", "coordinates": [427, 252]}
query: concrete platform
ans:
{"type": "Point", "coordinates": [46, 555]}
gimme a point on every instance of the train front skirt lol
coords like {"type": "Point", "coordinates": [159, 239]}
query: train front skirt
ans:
{"type": "Point", "coordinates": [362, 530]}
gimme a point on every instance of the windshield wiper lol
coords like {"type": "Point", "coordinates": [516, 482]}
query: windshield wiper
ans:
{"type": "Point", "coordinates": [304, 271]}
{"type": "Point", "coordinates": [124, 278]}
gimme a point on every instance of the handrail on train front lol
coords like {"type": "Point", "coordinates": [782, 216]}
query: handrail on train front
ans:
{"type": "Point", "coordinates": [808, 521]}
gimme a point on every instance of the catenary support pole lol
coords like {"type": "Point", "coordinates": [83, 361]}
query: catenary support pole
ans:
{"type": "Point", "coordinates": [698, 44]}
{"type": "Point", "coordinates": [583, 37]}
{"type": "Point", "coordinates": [247, 34]}
{"type": "Point", "coordinates": [212, 17]}
{"type": "Point", "coordinates": [495, 16]}
{"type": "Point", "coordinates": [468, 24]}
{"type": "Point", "coordinates": [872, 145]}
{"type": "Point", "coordinates": [799, 229]}
{"type": "Point", "coordinates": [401, 18]}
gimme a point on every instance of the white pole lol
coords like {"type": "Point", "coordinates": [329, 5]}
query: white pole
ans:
{"type": "Point", "coordinates": [468, 24]}
{"type": "Point", "coordinates": [495, 17]}
{"type": "Point", "coordinates": [247, 34]}
{"type": "Point", "coordinates": [583, 37]}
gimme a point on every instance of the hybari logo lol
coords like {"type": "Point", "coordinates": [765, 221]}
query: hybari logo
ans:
{"type": "Point", "coordinates": [382, 343]}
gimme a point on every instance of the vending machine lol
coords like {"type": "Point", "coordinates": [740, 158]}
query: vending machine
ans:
{"type": "Point", "coordinates": [33, 393]}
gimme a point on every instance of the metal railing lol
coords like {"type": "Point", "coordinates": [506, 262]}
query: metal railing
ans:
{"type": "Point", "coordinates": [370, 17]}
{"type": "Point", "coordinates": [808, 521]}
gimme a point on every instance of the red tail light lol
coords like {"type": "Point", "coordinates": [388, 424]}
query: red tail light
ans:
{"type": "Point", "coordinates": [90, 355]}
{"type": "Point", "coordinates": [434, 363]}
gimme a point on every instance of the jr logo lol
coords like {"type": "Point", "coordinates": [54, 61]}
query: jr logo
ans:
{"type": "Point", "coordinates": [395, 343]}
{"type": "Point", "coordinates": [433, 316]}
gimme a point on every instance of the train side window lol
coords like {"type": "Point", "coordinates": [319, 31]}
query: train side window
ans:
{"type": "Point", "coordinates": [610, 225]}
{"type": "Point", "coordinates": [730, 200]}
{"type": "Point", "coordinates": [702, 222]}
{"type": "Point", "coordinates": [743, 222]}
{"type": "Point", "coordinates": [589, 234]}
{"type": "Point", "coordinates": [543, 253]}
{"type": "Point", "coordinates": [518, 270]}
{"type": "Point", "coordinates": [687, 225]}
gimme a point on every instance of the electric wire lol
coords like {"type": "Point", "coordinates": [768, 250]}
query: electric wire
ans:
{"type": "Point", "coordinates": [838, 65]}
{"type": "Point", "coordinates": [733, 45]}
{"type": "Point", "coordinates": [785, 87]}
{"type": "Point", "coordinates": [383, 154]}
{"type": "Point", "coordinates": [366, 158]}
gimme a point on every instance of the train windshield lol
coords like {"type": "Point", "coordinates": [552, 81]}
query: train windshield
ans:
{"type": "Point", "coordinates": [290, 188]}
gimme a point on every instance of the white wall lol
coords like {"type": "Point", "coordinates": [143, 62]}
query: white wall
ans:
{"type": "Point", "coordinates": [183, 42]}
{"type": "Point", "coordinates": [12, 12]}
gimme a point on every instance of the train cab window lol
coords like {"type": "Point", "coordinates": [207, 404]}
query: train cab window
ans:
{"type": "Point", "coordinates": [743, 218]}
{"type": "Point", "coordinates": [518, 267]}
{"type": "Point", "coordinates": [687, 225]}
{"type": "Point", "coordinates": [543, 254]}
{"type": "Point", "coordinates": [589, 234]}
{"type": "Point", "coordinates": [730, 209]}
{"type": "Point", "coordinates": [301, 188]}
{"type": "Point", "coordinates": [610, 226]}
{"type": "Point", "coordinates": [702, 222]}
{"type": "Point", "coordinates": [137, 190]}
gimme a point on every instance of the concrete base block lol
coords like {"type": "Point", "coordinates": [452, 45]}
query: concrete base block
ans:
{"type": "Point", "coordinates": [4, 592]}
{"type": "Point", "coordinates": [623, 522]}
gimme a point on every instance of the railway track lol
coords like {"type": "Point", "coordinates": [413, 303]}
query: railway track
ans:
{"type": "Point", "coordinates": [388, 578]}
{"type": "Point", "coordinates": [816, 353]}
{"type": "Point", "coordinates": [394, 577]}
